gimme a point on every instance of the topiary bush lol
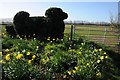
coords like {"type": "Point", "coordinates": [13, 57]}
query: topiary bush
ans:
{"type": "Point", "coordinates": [52, 25]}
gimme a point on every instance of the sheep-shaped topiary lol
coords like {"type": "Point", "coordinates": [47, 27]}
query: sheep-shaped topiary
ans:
{"type": "Point", "coordinates": [52, 25]}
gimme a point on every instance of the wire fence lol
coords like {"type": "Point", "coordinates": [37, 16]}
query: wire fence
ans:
{"type": "Point", "coordinates": [107, 35]}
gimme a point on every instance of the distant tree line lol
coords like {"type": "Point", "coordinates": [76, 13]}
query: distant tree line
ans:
{"type": "Point", "coordinates": [87, 23]}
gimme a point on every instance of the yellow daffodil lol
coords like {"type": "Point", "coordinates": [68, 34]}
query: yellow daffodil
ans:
{"type": "Point", "coordinates": [29, 61]}
{"type": "Point", "coordinates": [88, 64]}
{"type": "Point", "coordinates": [45, 60]}
{"type": "Point", "coordinates": [76, 67]}
{"type": "Point", "coordinates": [74, 71]}
{"type": "Point", "coordinates": [0, 53]}
{"type": "Point", "coordinates": [105, 53]}
{"type": "Point", "coordinates": [100, 49]}
{"type": "Point", "coordinates": [98, 74]}
{"type": "Point", "coordinates": [53, 39]}
{"type": "Point", "coordinates": [94, 54]}
{"type": "Point", "coordinates": [98, 61]}
{"type": "Point", "coordinates": [28, 53]}
{"type": "Point", "coordinates": [1, 61]}
{"type": "Point", "coordinates": [7, 50]}
{"type": "Point", "coordinates": [106, 57]}
{"type": "Point", "coordinates": [69, 72]}
{"type": "Point", "coordinates": [19, 56]}
{"type": "Point", "coordinates": [7, 57]}
{"type": "Point", "coordinates": [102, 57]}
{"type": "Point", "coordinates": [95, 50]}
{"type": "Point", "coordinates": [91, 62]}
{"type": "Point", "coordinates": [33, 57]}
{"type": "Point", "coordinates": [79, 53]}
{"type": "Point", "coordinates": [48, 38]}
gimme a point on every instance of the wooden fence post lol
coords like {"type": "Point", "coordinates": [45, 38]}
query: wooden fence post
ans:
{"type": "Point", "coordinates": [74, 31]}
{"type": "Point", "coordinates": [89, 33]}
{"type": "Point", "coordinates": [71, 33]}
{"type": "Point", "coordinates": [105, 35]}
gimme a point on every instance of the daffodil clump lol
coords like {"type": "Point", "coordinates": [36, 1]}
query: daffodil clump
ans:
{"type": "Point", "coordinates": [19, 64]}
{"type": "Point", "coordinates": [18, 56]}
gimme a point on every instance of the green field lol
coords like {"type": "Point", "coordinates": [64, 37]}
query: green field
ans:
{"type": "Point", "coordinates": [96, 30]}
{"type": "Point", "coordinates": [102, 34]}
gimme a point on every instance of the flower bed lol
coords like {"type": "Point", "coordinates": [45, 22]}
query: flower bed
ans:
{"type": "Point", "coordinates": [55, 59]}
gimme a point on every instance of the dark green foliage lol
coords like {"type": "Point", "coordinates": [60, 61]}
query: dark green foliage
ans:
{"type": "Point", "coordinates": [51, 13]}
{"type": "Point", "coordinates": [41, 27]}
{"type": "Point", "coordinates": [10, 30]}
{"type": "Point", "coordinates": [21, 16]}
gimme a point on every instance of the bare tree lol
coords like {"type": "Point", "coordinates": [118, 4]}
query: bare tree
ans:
{"type": "Point", "coordinates": [114, 21]}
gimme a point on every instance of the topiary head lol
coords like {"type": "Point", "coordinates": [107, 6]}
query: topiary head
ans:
{"type": "Point", "coordinates": [21, 17]}
{"type": "Point", "coordinates": [56, 13]}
